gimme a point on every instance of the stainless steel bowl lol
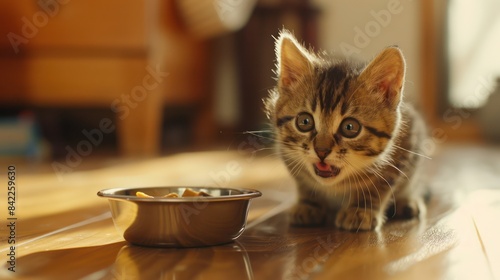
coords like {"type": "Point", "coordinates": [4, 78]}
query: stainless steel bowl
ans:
{"type": "Point", "coordinates": [179, 222]}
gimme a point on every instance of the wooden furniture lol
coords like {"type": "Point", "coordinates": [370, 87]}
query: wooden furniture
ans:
{"type": "Point", "coordinates": [57, 53]}
{"type": "Point", "coordinates": [256, 56]}
{"type": "Point", "coordinates": [64, 231]}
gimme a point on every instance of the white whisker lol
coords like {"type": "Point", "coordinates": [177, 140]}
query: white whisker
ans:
{"type": "Point", "coordinates": [411, 152]}
{"type": "Point", "coordinates": [395, 167]}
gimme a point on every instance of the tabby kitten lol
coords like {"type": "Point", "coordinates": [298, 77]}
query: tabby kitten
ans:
{"type": "Point", "coordinates": [346, 137]}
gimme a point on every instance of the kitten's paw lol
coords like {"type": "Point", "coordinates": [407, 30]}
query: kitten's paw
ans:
{"type": "Point", "coordinates": [354, 218]}
{"type": "Point", "coordinates": [304, 214]}
{"type": "Point", "coordinates": [405, 209]}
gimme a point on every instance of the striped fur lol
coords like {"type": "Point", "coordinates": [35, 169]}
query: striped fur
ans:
{"type": "Point", "coordinates": [359, 158]}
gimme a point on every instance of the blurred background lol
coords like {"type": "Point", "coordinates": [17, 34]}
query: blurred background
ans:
{"type": "Point", "coordinates": [123, 78]}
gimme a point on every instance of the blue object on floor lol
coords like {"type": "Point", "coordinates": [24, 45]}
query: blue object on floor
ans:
{"type": "Point", "coordinates": [19, 136]}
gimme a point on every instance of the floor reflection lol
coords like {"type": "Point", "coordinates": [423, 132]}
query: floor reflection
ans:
{"type": "Point", "coordinates": [135, 262]}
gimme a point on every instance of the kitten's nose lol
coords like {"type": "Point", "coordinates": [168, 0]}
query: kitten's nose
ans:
{"type": "Point", "coordinates": [322, 152]}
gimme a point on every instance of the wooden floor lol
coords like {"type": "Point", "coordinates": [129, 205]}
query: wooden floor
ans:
{"type": "Point", "coordinates": [64, 231]}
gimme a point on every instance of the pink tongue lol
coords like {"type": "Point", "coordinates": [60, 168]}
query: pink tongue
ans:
{"type": "Point", "coordinates": [323, 166]}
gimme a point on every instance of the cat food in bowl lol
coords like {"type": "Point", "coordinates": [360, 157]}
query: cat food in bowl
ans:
{"type": "Point", "coordinates": [163, 217]}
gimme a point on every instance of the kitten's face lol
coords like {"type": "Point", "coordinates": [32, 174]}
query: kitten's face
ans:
{"type": "Point", "coordinates": [331, 120]}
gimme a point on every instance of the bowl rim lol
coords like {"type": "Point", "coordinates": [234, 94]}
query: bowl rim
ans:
{"type": "Point", "coordinates": [246, 194]}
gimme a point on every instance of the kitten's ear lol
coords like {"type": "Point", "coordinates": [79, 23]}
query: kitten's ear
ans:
{"type": "Point", "coordinates": [293, 60]}
{"type": "Point", "coordinates": [385, 75]}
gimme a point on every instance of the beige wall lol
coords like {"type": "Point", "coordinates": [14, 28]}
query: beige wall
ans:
{"type": "Point", "coordinates": [363, 28]}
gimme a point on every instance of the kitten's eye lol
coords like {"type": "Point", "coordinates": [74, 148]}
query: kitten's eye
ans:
{"type": "Point", "coordinates": [304, 122]}
{"type": "Point", "coordinates": [350, 128]}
